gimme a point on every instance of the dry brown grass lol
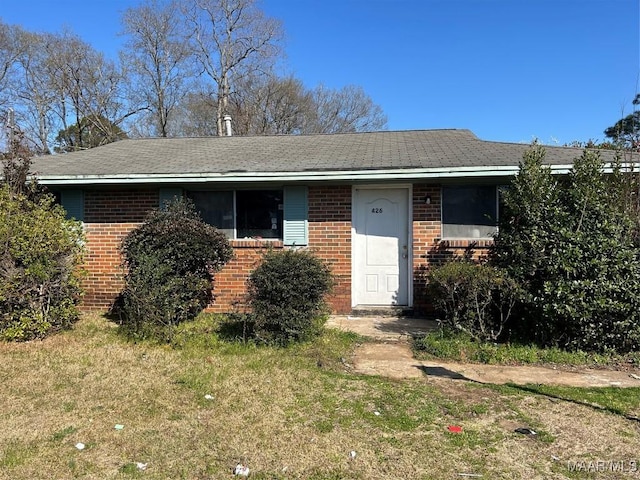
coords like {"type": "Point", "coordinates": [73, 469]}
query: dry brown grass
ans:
{"type": "Point", "coordinates": [275, 410]}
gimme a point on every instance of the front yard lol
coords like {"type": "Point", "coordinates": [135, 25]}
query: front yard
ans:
{"type": "Point", "coordinates": [196, 411]}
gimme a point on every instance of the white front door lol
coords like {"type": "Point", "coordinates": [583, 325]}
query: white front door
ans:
{"type": "Point", "coordinates": [380, 246]}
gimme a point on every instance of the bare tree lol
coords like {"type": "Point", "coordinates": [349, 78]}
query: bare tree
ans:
{"type": "Point", "coordinates": [34, 97]}
{"type": "Point", "coordinates": [69, 63]}
{"type": "Point", "coordinates": [196, 113]}
{"type": "Point", "coordinates": [285, 106]}
{"type": "Point", "coordinates": [158, 56]}
{"type": "Point", "coordinates": [10, 50]}
{"type": "Point", "coordinates": [107, 105]}
{"type": "Point", "coordinates": [186, 65]}
{"type": "Point", "coordinates": [90, 93]}
{"type": "Point", "coordinates": [349, 109]}
{"type": "Point", "coordinates": [271, 105]}
{"type": "Point", "coordinates": [232, 39]}
{"type": "Point", "coordinates": [66, 83]}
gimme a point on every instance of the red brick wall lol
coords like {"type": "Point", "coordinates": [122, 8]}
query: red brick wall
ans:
{"type": "Point", "coordinates": [428, 247]}
{"type": "Point", "coordinates": [426, 233]}
{"type": "Point", "coordinates": [230, 283]}
{"type": "Point", "coordinates": [119, 206]}
{"type": "Point", "coordinates": [330, 237]}
{"type": "Point", "coordinates": [104, 278]}
{"type": "Point", "coordinates": [110, 215]}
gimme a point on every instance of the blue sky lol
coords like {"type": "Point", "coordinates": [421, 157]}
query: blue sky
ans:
{"type": "Point", "coordinates": [509, 70]}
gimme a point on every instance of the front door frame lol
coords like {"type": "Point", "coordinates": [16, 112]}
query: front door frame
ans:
{"type": "Point", "coordinates": [393, 186]}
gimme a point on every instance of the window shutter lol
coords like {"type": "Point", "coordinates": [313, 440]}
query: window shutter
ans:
{"type": "Point", "coordinates": [168, 194]}
{"type": "Point", "coordinates": [73, 202]}
{"type": "Point", "coordinates": [295, 216]}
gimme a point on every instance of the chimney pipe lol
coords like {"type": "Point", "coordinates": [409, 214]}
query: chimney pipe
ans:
{"type": "Point", "coordinates": [227, 125]}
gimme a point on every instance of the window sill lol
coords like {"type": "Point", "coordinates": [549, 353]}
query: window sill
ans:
{"type": "Point", "coordinates": [256, 243]}
{"type": "Point", "coordinates": [465, 242]}
{"type": "Point", "coordinates": [466, 239]}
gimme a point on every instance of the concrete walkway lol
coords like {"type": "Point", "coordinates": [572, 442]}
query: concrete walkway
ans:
{"type": "Point", "coordinates": [390, 356]}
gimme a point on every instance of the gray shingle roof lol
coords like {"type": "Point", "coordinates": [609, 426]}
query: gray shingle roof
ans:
{"type": "Point", "coordinates": [353, 152]}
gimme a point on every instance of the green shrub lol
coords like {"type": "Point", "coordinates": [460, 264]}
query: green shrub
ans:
{"type": "Point", "coordinates": [40, 257]}
{"type": "Point", "coordinates": [573, 247]}
{"type": "Point", "coordinates": [475, 299]}
{"type": "Point", "coordinates": [286, 294]}
{"type": "Point", "coordinates": [171, 259]}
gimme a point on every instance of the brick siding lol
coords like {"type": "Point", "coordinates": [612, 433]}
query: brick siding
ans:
{"type": "Point", "coordinates": [230, 283]}
{"type": "Point", "coordinates": [330, 237]}
{"type": "Point", "coordinates": [110, 215]}
{"type": "Point", "coordinates": [119, 206]}
{"type": "Point", "coordinates": [104, 278]}
{"type": "Point", "coordinates": [428, 247]}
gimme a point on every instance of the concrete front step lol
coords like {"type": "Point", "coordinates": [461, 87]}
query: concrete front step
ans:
{"type": "Point", "coordinates": [381, 311]}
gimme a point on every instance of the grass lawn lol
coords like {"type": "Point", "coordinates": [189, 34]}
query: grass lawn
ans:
{"type": "Point", "coordinates": [285, 413]}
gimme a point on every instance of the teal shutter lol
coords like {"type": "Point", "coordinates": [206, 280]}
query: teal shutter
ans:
{"type": "Point", "coordinates": [168, 195]}
{"type": "Point", "coordinates": [295, 216]}
{"type": "Point", "coordinates": [73, 202]}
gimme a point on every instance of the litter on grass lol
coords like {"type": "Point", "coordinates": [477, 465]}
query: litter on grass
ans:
{"type": "Point", "coordinates": [525, 431]}
{"type": "Point", "coordinates": [241, 470]}
{"type": "Point", "coordinates": [119, 427]}
{"type": "Point", "coordinates": [141, 466]}
{"type": "Point", "coordinates": [454, 429]}
{"type": "Point", "coordinates": [352, 454]}
{"type": "Point", "coordinates": [80, 446]}
{"type": "Point", "coordinates": [208, 397]}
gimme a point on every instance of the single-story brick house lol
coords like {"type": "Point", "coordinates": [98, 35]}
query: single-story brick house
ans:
{"type": "Point", "coordinates": [379, 207]}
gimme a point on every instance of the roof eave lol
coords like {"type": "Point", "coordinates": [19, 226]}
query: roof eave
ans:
{"type": "Point", "coordinates": [305, 176]}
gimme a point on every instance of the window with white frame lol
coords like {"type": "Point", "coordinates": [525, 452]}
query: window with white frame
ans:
{"type": "Point", "coordinates": [469, 211]}
{"type": "Point", "coordinates": [242, 213]}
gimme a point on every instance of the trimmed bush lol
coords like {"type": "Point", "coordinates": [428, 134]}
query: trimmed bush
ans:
{"type": "Point", "coordinates": [171, 259]}
{"type": "Point", "coordinates": [473, 298]}
{"type": "Point", "coordinates": [287, 296]}
{"type": "Point", "coordinates": [40, 257]}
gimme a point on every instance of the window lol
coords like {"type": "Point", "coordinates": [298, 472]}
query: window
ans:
{"type": "Point", "coordinates": [215, 208]}
{"type": "Point", "coordinates": [259, 214]}
{"type": "Point", "coordinates": [242, 213]}
{"type": "Point", "coordinates": [469, 211]}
